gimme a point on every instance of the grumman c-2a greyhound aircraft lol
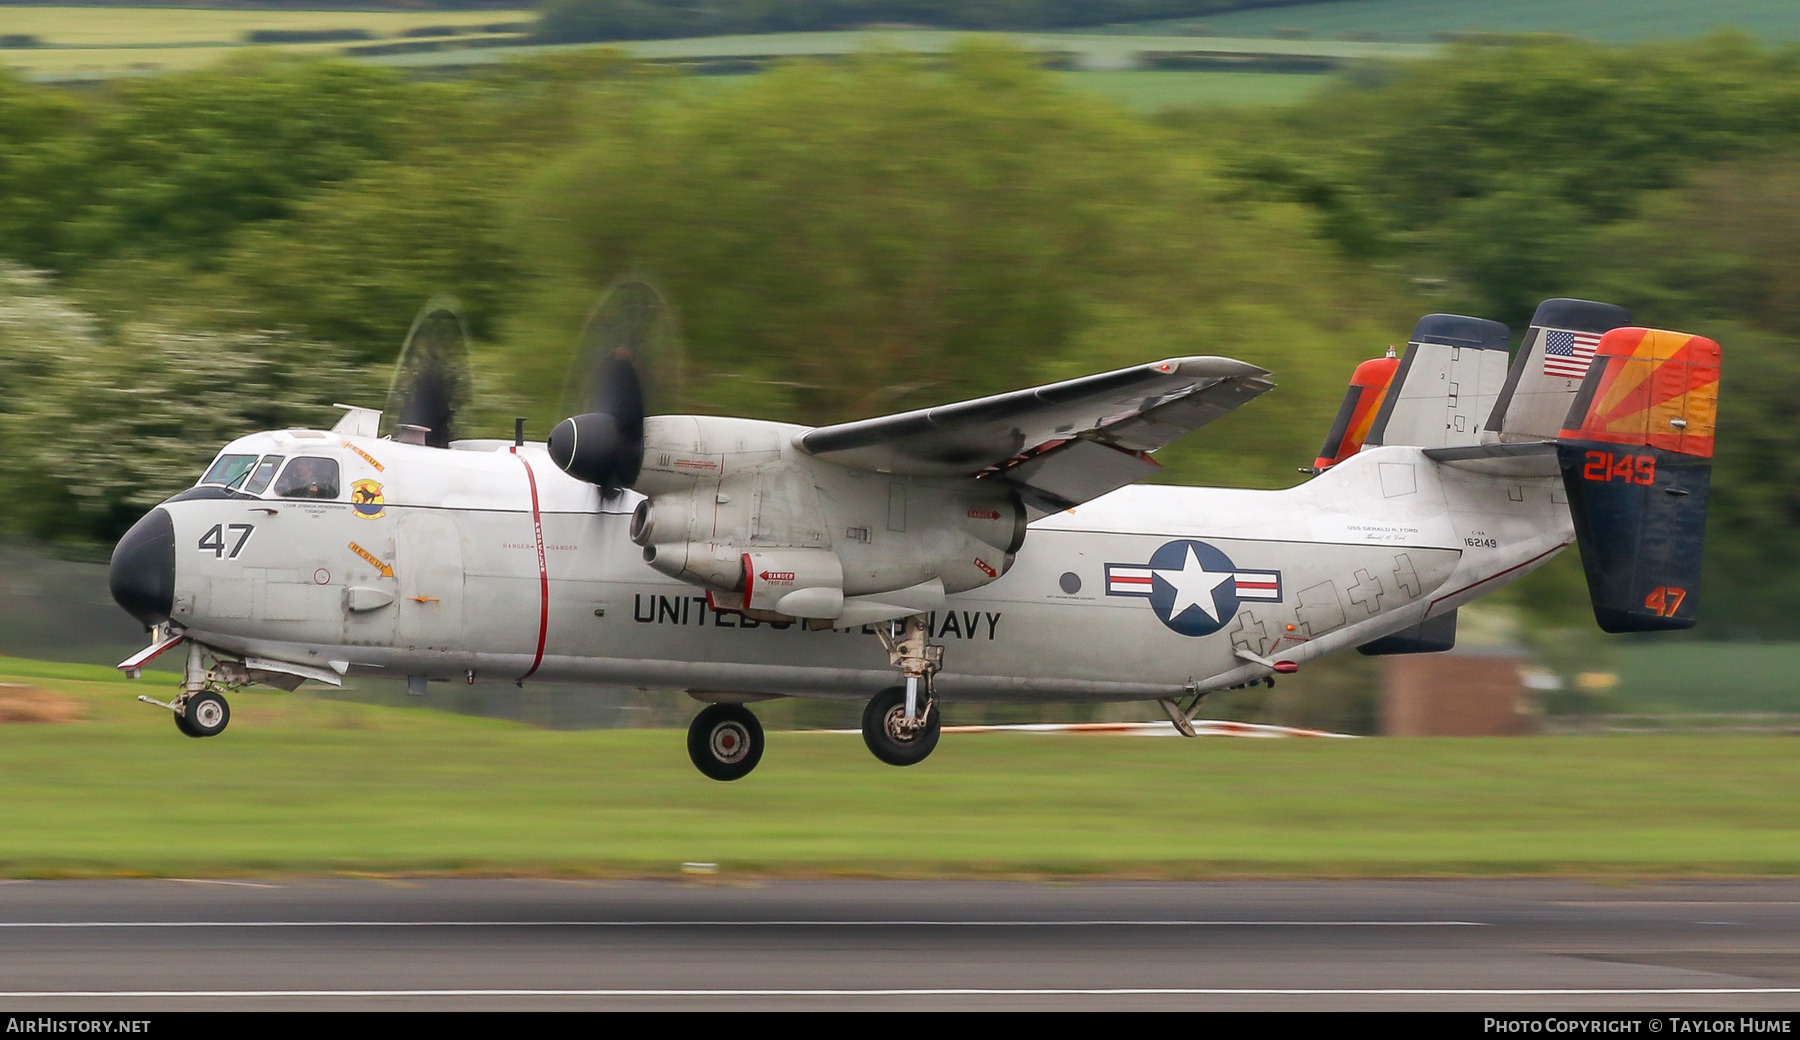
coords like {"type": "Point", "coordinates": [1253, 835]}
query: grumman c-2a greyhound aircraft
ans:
{"type": "Point", "coordinates": [995, 549]}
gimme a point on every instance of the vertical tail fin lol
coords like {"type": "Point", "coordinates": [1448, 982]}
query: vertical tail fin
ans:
{"type": "Point", "coordinates": [1636, 458]}
{"type": "Point", "coordinates": [1448, 380]}
{"type": "Point", "coordinates": [1362, 402]}
{"type": "Point", "coordinates": [1551, 363]}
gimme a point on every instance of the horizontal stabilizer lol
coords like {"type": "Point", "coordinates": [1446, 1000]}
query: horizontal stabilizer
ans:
{"type": "Point", "coordinates": [1524, 459]}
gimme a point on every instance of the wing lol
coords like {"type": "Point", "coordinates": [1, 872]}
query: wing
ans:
{"type": "Point", "coordinates": [1060, 444]}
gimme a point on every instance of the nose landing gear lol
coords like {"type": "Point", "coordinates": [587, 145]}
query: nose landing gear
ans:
{"type": "Point", "coordinates": [202, 715]}
{"type": "Point", "coordinates": [200, 710]}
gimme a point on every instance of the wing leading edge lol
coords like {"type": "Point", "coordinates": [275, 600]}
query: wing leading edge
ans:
{"type": "Point", "coordinates": [1060, 444]}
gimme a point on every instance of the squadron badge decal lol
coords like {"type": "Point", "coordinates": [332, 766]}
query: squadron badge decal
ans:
{"type": "Point", "coordinates": [365, 498]}
{"type": "Point", "coordinates": [1194, 588]}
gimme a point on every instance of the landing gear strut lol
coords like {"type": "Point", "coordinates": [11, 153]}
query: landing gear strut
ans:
{"type": "Point", "coordinates": [725, 741]}
{"type": "Point", "coordinates": [900, 724]}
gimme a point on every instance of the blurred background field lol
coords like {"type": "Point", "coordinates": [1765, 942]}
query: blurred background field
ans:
{"type": "Point", "coordinates": [1613, 20]}
{"type": "Point", "coordinates": [302, 784]}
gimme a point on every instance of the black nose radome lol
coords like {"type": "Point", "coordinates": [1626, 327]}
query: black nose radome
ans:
{"type": "Point", "coordinates": [143, 568]}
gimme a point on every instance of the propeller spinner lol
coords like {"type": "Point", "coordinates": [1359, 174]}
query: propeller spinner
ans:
{"type": "Point", "coordinates": [627, 348]}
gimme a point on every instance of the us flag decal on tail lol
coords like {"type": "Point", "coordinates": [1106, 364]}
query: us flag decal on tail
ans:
{"type": "Point", "coordinates": [1568, 354]}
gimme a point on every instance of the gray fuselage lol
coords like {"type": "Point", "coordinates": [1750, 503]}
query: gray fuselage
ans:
{"type": "Point", "coordinates": [487, 562]}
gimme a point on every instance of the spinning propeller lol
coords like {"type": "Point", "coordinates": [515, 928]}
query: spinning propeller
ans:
{"type": "Point", "coordinates": [628, 351]}
{"type": "Point", "coordinates": [431, 379]}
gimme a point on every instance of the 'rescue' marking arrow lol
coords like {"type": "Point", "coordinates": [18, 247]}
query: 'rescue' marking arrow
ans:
{"type": "Point", "coordinates": [368, 458]}
{"type": "Point", "coordinates": [386, 571]}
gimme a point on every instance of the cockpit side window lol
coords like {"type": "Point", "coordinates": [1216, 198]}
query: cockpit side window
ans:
{"type": "Point", "coordinates": [265, 472]}
{"type": "Point", "coordinates": [309, 477]}
{"type": "Point", "coordinates": [229, 470]}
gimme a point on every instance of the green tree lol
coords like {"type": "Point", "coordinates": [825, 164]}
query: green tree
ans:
{"type": "Point", "coordinates": [101, 425]}
{"type": "Point", "coordinates": [852, 240]}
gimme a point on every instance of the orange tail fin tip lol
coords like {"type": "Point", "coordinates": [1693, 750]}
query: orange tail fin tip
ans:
{"type": "Point", "coordinates": [1652, 388]}
{"type": "Point", "coordinates": [1362, 402]}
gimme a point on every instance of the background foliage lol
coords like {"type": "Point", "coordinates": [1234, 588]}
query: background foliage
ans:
{"type": "Point", "coordinates": [196, 255]}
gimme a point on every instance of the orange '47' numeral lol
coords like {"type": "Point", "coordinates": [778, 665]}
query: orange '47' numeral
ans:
{"type": "Point", "coordinates": [1665, 601]}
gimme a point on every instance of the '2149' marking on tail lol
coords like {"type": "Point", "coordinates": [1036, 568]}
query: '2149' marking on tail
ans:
{"type": "Point", "coordinates": [1633, 469]}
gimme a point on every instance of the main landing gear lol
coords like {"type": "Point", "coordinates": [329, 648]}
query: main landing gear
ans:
{"type": "Point", "coordinates": [725, 741]}
{"type": "Point", "coordinates": [894, 738]}
{"type": "Point", "coordinates": [900, 724]}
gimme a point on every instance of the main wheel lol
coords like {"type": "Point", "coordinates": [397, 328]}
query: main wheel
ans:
{"type": "Point", "coordinates": [725, 741]}
{"type": "Point", "coordinates": [884, 729]}
{"type": "Point", "coordinates": [206, 715]}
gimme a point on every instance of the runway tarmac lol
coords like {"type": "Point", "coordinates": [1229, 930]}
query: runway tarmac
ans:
{"type": "Point", "coordinates": [716, 944]}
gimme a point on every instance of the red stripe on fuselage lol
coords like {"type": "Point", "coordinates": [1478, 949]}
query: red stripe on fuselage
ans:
{"type": "Point", "coordinates": [537, 530]}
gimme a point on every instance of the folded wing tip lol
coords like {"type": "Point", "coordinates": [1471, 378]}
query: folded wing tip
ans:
{"type": "Point", "coordinates": [1209, 365]}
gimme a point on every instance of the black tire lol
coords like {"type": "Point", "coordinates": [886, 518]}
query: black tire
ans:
{"type": "Point", "coordinates": [725, 741]}
{"type": "Point", "coordinates": [881, 730]}
{"type": "Point", "coordinates": [205, 715]}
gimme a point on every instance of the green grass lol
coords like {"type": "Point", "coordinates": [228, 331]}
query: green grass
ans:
{"type": "Point", "coordinates": [1709, 677]}
{"type": "Point", "coordinates": [301, 784]}
{"type": "Point", "coordinates": [1619, 20]}
{"type": "Point", "coordinates": [1154, 91]}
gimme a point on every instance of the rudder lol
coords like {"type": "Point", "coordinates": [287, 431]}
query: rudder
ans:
{"type": "Point", "coordinates": [1636, 458]}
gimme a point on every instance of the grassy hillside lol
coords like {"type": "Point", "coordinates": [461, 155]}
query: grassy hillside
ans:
{"type": "Point", "coordinates": [301, 784]}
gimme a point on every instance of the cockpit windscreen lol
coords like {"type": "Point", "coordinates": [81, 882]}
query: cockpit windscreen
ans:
{"type": "Point", "coordinates": [229, 470]}
{"type": "Point", "coordinates": [265, 472]}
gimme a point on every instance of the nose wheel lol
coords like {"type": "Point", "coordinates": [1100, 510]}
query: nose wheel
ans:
{"type": "Point", "coordinates": [892, 736]}
{"type": "Point", "coordinates": [203, 715]}
{"type": "Point", "coordinates": [725, 741]}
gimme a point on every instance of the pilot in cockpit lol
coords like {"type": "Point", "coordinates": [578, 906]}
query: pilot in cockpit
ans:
{"type": "Point", "coordinates": [309, 477]}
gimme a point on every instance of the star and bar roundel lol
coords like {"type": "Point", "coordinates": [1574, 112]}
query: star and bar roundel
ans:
{"type": "Point", "coordinates": [1193, 587]}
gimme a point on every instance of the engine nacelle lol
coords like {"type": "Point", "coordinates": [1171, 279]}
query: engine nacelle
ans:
{"type": "Point", "coordinates": [796, 582]}
{"type": "Point", "coordinates": [735, 507]}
